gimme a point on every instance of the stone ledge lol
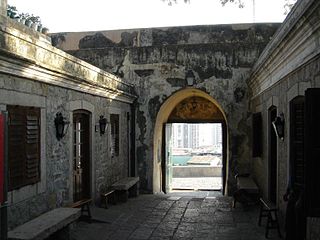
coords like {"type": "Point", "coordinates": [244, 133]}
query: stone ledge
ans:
{"type": "Point", "coordinates": [45, 225]}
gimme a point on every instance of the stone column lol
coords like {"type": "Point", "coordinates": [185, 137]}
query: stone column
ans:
{"type": "Point", "coordinates": [3, 7]}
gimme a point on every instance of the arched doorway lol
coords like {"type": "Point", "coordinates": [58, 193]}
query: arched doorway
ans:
{"type": "Point", "coordinates": [190, 106]}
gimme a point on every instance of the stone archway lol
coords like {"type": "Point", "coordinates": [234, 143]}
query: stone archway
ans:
{"type": "Point", "coordinates": [169, 111]}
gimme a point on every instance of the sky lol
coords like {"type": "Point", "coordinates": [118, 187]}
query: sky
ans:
{"type": "Point", "coordinates": [95, 15]}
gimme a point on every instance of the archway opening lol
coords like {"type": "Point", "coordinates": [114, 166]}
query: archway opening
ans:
{"type": "Point", "coordinates": [188, 106]}
{"type": "Point", "coordinates": [196, 156]}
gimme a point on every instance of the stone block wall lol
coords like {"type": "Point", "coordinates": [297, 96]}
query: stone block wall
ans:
{"type": "Point", "coordinates": [196, 171]}
{"type": "Point", "coordinates": [288, 66]}
{"type": "Point", "coordinates": [280, 96]}
{"type": "Point", "coordinates": [55, 190]}
{"type": "Point", "coordinates": [35, 74]}
{"type": "Point", "coordinates": [313, 229]}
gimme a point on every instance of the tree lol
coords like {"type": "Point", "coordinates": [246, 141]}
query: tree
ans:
{"type": "Point", "coordinates": [241, 3]}
{"type": "Point", "coordinates": [170, 2]}
{"type": "Point", "coordinates": [223, 2]}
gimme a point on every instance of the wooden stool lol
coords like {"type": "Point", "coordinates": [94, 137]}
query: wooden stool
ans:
{"type": "Point", "coordinates": [84, 204]}
{"type": "Point", "coordinates": [270, 211]}
{"type": "Point", "coordinates": [105, 196]}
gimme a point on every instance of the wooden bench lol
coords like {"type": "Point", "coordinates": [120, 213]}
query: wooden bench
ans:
{"type": "Point", "coordinates": [247, 190]}
{"type": "Point", "coordinates": [108, 196]}
{"type": "Point", "coordinates": [45, 225]}
{"type": "Point", "coordinates": [270, 211]}
{"type": "Point", "coordinates": [126, 187]}
{"type": "Point", "coordinates": [84, 204]}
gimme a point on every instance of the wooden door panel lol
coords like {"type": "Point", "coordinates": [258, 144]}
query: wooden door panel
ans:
{"type": "Point", "coordinates": [81, 155]}
{"type": "Point", "coordinates": [312, 151]}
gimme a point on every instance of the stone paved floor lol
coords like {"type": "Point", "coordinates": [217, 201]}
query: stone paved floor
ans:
{"type": "Point", "coordinates": [179, 215]}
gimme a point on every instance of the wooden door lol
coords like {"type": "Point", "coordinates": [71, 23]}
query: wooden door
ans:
{"type": "Point", "coordinates": [81, 155]}
{"type": "Point", "coordinates": [297, 161]}
{"type": "Point", "coordinates": [168, 158]}
{"type": "Point", "coordinates": [312, 151]}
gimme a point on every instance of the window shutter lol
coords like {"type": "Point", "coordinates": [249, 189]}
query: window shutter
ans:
{"type": "Point", "coordinates": [24, 146]}
{"type": "Point", "coordinates": [32, 146]}
{"type": "Point", "coordinates": [115, 140]}
{"type": "Point", "coordinates": [16, 146]}
{"type": "Point", "coordinates": [257, 135]}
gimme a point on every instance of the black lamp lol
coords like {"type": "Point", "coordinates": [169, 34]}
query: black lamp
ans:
{"type": "Point", "coordinates": [190, 77]}
{"type": "Point", "coordinates": [278, 125]}
{"type": "Point", "coordinates": [103, 124]}
{"type": "Point", "coordinates": [61, 125]}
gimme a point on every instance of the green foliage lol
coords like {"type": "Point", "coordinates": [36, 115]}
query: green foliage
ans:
{"type": "Point", "coordinates": [241, 3]}
{"type": "Point", "coordinates": [223, 2]}
{"type": "Point", "coordinates": [27, 19]}
{"type": "Point", "coordinates": [13, 12]}
{"type": "Point", "coordinates": [170, 2]}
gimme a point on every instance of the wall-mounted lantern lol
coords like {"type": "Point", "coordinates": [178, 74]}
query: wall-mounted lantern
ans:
{"type": "Point", "coordinates": [103, 123]}
{"type": "Point", "coordinates": [61, 126]}
{"type": "Point", "coordinates": [190, 78]}
{"type": "Point", "coordinates": [278, 125]}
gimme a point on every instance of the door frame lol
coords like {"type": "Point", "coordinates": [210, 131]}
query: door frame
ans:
{"type": "Point", "coordinates": [87, 169]}
{"type": "Point", "coordinates": [272, 153]}
{"type": "Point", "coordinates": [224, 153]}
{"type": "Point", "coordinates": [158, 143]}
{"type": "Point", "coordinates": [73, 106]}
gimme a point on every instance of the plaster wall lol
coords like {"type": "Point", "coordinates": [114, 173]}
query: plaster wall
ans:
{"type": "Point", "coordinates": [3, 7]}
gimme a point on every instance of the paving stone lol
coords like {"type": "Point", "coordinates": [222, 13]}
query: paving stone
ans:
{"type": "Point", "coordinates": [142, 233]}
{"type": "Point", "coordinates": [184, 217]}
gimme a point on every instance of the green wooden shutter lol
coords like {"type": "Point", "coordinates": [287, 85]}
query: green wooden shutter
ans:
{"type": "Point", "coordinates": [16, 146]}
{"type": "Point", "coordinates": [115, 138]}
{"type": "Point", "coordinates": [24, 146]}
{"type": "Point", "coordinates": [32, 173]}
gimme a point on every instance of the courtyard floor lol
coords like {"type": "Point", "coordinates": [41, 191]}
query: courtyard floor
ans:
{"type": "Point", "coordinates": [178, 215]}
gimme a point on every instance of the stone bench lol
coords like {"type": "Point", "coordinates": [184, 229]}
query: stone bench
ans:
{"type": "Point", "coordinates": [247, 190]}
{"type": "Point", "coordinates": [45, 225]}
{"type": "Point", "coordinates": [126, 187]}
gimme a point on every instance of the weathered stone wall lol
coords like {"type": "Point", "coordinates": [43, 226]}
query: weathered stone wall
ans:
{"type": "Point", "coordinates": [58, 179]}
{"type": "Point", "coordinates": [289, 65]}
{"type": "Point", "coordinates": [156, 61]}
{"type": "Point", "coordinates": [313, 229]}
{"type": "Point", "coordinates": [35, 74]}
{"type": "Point", "coordinates": [280, 96]}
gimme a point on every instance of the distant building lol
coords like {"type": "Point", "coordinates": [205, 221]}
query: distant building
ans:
{"type": "Point", "coordinates": [185, 135]}
{"type": "Point", "coordinates": [217, 134]}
